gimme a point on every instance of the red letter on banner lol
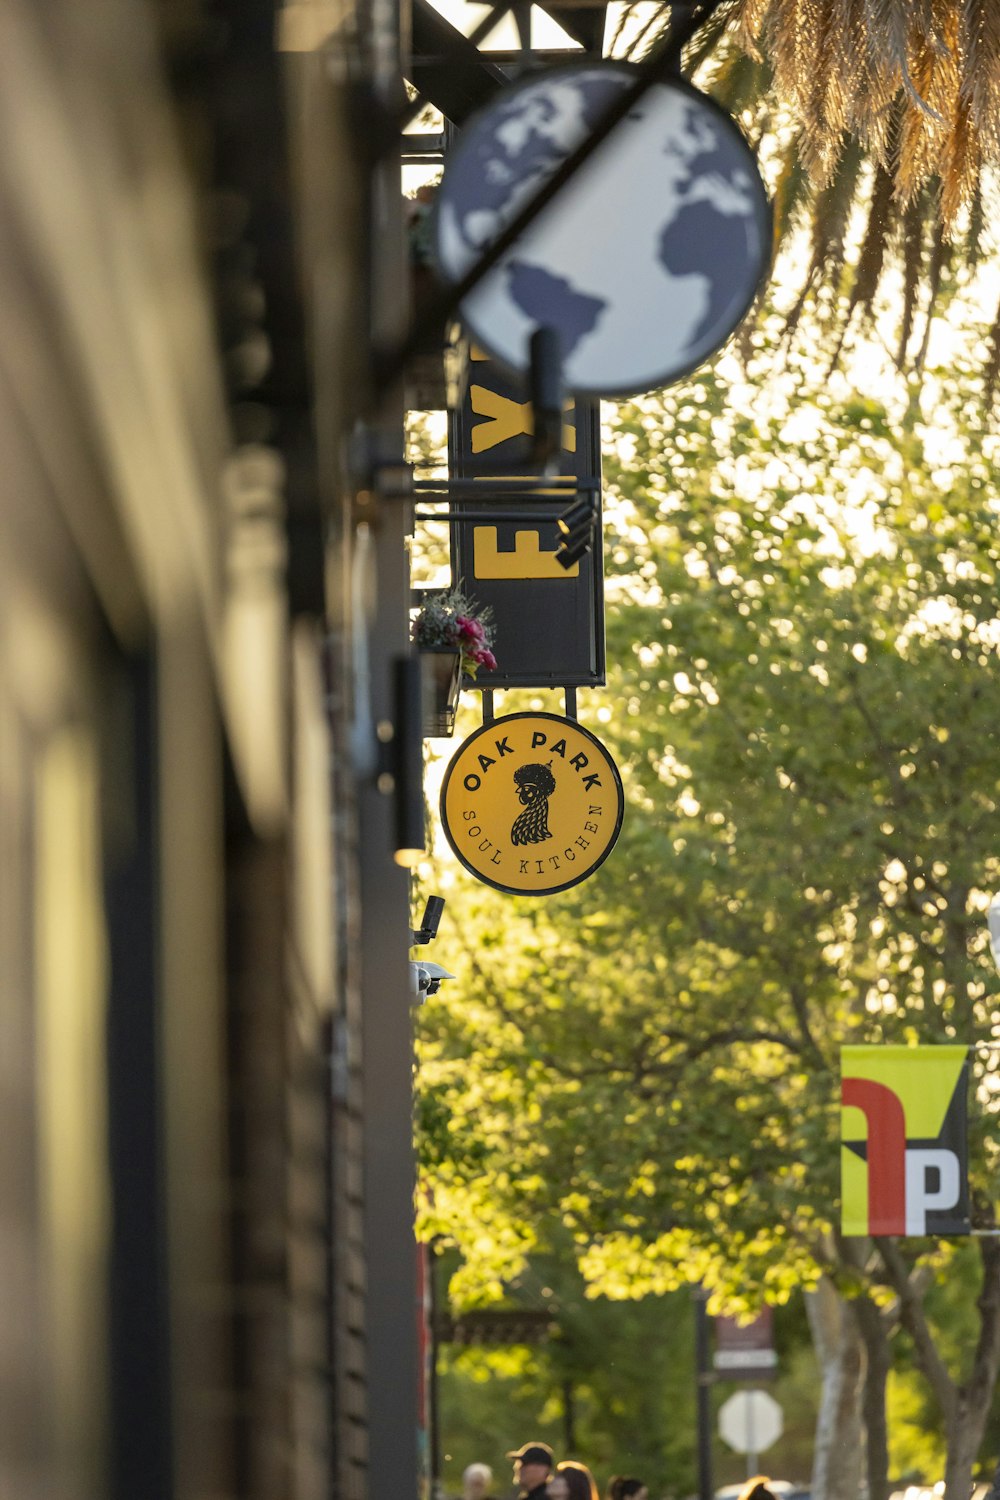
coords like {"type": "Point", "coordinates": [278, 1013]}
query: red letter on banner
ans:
{"type": "Point", "coordinates": [883, 1110]}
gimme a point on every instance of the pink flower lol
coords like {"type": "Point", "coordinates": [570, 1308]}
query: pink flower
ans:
{"type": "Point", "coordinates": [486, 659]}
{"type": "Point", "coordinates": [469, 629]}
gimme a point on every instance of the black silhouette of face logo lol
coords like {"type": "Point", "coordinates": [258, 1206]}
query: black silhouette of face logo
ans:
{"type": "Point", "coordinates": [535, 784]}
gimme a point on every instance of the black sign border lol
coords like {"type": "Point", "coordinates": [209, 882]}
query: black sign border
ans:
{"type": "Point", "coordinates": [764, 215]}
{"type": "Point", "coordinates": [513, 890]}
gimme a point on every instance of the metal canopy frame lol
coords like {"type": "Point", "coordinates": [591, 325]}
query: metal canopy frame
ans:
{"type": "Point", "coordinates": [450, 71]}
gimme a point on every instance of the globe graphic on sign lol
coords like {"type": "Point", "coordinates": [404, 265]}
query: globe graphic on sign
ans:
{"type": "Point", "coordinates": [645, 262]}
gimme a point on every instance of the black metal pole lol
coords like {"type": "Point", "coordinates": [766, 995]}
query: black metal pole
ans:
{"type": "Point", "coordinates": [703, 1379]}
{"type": "Point", "coordinates": [433, 1384]}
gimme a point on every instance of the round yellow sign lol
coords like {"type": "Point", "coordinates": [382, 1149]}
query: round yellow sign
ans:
{"type": "Point", "coordinates": [532, 804]}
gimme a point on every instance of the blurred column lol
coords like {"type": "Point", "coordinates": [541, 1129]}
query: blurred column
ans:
{"type": "Point", "coordinates": [703, 1378]}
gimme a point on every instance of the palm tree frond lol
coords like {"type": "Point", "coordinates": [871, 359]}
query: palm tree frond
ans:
{"type": "Point", "coordinates": [791, 190]}
{"type": "Point", "coordinates": [913, 265]}
{"type": "Point", "coordinates": [980, 44]}
{"type": "Point", "coordinates": [897, 104]}
{"type": "Point", "coordinates": [939, 259]}
{"type": "Point", "coordinates": [841, 65]}
{"type": "Point", "coordinates": [991, 370]}
{"type": "Point", "coordinates": [874, 245]}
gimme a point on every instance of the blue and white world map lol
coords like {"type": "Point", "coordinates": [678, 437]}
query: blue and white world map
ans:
{"type": "Point", "coordinates": [645, 262]}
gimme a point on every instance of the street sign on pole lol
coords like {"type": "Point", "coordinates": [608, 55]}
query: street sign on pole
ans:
{"type": "Point", "coordinates": [750, 1422]}
{"type": "Point", "coordinates": [745, 1351]}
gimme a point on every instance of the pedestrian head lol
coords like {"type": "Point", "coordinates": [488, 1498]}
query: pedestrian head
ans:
{"type": "Point", "coordinates": [626, 1487]}
{"type": "Point", "coordinates": [532, 1465]}
{"type": "Point", "coordinates": [757, 1489]}
{"type": "Point", "coordinates": [476, 1481]}
{"type": "Point", "coordinates": [579, 1481]}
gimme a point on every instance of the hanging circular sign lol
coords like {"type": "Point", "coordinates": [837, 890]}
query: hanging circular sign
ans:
{"type": "Point", "coordinates": [532, 804]}
{"type": "Point", "coordinates": [645, 262]}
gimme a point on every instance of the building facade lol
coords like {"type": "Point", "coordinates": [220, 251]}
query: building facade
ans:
{"type": "Point", "coordinates": [206, 1247]}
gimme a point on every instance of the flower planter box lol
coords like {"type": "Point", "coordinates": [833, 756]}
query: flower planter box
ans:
{"type": "Point", "coordinates": [440, 684]}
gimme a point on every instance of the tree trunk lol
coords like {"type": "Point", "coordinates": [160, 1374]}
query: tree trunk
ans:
{"type": "Point", "coordinates": [964, 1437]}
{"type": "Point", "coordinates": [968, 1418]}
{"type": "Point", "coordinates": [837, 1454]}
{"type": "Point", "coordinates": [878, 1359]}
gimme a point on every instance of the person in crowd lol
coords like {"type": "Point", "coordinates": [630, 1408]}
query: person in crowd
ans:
{"type": "Point", "coordinates": [627, 1487]}
{"type": "Point", "coordinates": [477, 1482]}
{"type": "Point", "coordinates": [757, 1489]}
{"type": "Point", "coordinates": [532, 1467]}
{"type": "Point", "coordinates": [572, 1481]}
{"type": "Point", "coordinates": [557, 1487]}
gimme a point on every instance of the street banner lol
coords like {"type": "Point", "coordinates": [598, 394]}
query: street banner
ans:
{"type": "Point", "coordinates": [904, 1147]}
{"type": "Point", "coordinates": [549, 620]}
{"type": "Point", "coordinates": [532, 803]}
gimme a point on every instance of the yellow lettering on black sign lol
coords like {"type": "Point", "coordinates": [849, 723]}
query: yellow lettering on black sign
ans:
{"type": "Point", "coordinates": [506, 419]}
{"type": "Point", "coordinates": [526, 561]}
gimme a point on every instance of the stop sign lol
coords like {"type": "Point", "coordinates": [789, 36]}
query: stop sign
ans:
{"type": "Point", "coordinates": [750, 1421]}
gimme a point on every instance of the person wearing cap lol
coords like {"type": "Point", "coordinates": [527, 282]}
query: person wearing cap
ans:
{"type": "Point", "coordinates": [532, 1467]}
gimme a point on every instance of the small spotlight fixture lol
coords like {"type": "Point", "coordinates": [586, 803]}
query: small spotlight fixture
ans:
{"type": "Point", "coordinates": [430, 922]}
{"type": "Point", "coordinates": [576, 526]}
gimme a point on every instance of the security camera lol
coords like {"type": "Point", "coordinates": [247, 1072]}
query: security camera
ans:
{"type": "Point", "coordinates": [425, 978]}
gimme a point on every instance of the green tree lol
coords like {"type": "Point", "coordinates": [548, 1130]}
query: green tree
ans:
{"type": "Point", "coordinates": [803, 627]}
{"type": "Point", "coordinates": [613, 1386]}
